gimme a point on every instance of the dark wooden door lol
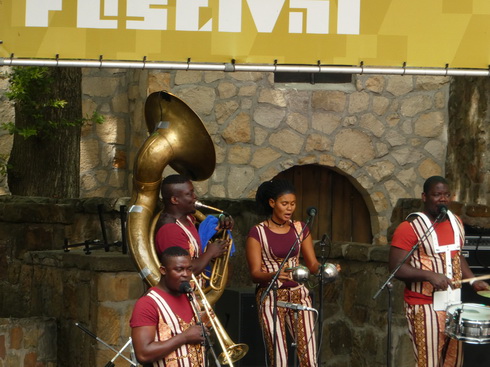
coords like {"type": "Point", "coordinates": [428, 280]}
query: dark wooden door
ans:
{"type": "Point", "coordinates": [342, 213]}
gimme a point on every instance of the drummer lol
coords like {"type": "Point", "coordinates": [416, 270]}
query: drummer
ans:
{"type": "Point", "coordinates": [432, 274]}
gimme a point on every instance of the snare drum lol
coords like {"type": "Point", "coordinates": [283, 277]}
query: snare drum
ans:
{"type": "Point", "coordinates": [468, 322]}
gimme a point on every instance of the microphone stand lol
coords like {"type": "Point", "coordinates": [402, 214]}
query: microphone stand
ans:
{"type": "Point", "coordinates": [273, 284]}
{"type": "Point", "coordinates": [208, 344]}
{"type": "Point", "coordinates": [388, 285]}
{"type": "Point", "coordinates": [323, 261]}
{"type": "Point", "coordinates": [111, 362]}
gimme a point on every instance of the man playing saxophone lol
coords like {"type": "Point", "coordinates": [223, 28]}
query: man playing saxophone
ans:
{"type": "Point", "coordinates": [176, 224]}
{"type": "Point", "coordinates": [164, 325]}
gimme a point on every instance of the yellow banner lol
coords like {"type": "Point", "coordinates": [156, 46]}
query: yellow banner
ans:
{"type": "Point", "coordinates": [420, 33]}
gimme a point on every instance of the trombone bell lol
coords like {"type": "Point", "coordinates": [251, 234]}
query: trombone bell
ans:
{"type": "Point", "coordinates": [231, 352]}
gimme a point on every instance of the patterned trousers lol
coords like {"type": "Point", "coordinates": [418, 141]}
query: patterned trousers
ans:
{"type": "Point", "coordinates": [432, 347]}
{"type": "Point", "coordinates": [300, 325]}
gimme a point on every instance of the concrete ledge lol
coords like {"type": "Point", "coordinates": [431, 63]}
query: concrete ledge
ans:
{"type": "Point", "coordinates": [98, 260]}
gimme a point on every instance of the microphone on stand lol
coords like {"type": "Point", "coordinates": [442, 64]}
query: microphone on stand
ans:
{"type": "Point", "coordinates": [185, 287]}
{"type": "Point", "coordinates": [295, 306]}
{"type": "Point", "coordinates": [442, 210]}
{"type": "Point", "coordinates": [310, 212]}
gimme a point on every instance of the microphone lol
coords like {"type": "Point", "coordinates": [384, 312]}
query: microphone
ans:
{"type": "Point", "coordinates": [185, 287]}
{"type": "Point", "coordinates": [295, 306]}
{"type": "Point", "coordinates": [311, 211]}
{"type": "Point", "coordinates": [442, 209]}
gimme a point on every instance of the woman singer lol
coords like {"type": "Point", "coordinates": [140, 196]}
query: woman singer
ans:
{"type": "Point", "coordinates": [268, 243]}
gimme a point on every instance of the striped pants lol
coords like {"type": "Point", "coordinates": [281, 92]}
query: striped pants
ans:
{"type": "Point", "coordinates": [299, 323]}
{"type": "Point", "coordinates": [432, 347]}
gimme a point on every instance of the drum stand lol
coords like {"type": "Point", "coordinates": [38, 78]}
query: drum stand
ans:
{"type": "Point", "coordinates": [118, 353]}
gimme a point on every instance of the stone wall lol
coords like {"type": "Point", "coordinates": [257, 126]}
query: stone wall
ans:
{"type": "Point", "coordinates": [386, 133]}
{"type": "Point", "coordinates": [28, 342]}
{"type": "Point", "coordinates": [45, 289]}
{"type": "Point", "coordinates": [43, 282]}
{"type": "Point", "coordinates": [40, 281]}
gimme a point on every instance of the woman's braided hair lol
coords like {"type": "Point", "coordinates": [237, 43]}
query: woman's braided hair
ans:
{"type": "Point", "coordinates": [271, 190]}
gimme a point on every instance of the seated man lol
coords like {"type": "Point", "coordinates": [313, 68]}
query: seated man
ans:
{"type": "Point", "coordinates": [176, 225]}
{"type": "Point", "coordinates": [164, 323]}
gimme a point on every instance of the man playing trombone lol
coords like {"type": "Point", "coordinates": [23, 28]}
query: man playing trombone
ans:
{"type": "Point", "coordinates": [176, 224]}
{"type": "Point", "coordinates": [165, 330]}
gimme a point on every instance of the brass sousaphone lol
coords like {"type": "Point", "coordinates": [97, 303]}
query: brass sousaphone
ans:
{"type": "Point", "coordinates": [177, 138]}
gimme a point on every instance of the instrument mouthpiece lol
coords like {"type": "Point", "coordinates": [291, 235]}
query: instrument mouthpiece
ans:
{"type": "Point", "coordinates": [199, 205]}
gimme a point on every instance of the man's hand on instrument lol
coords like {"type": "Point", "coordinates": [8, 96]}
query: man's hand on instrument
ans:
{"type": "Point", "coordinates": [194, 334]}
{"type": "Point", "coordinates": [217, 248]}
{"type": "Point", "coordinates": [440, 282]}
{"type": "Point", "coordinates": [480, 285]}
{"type": "Point", "coordinates": [225, 221]}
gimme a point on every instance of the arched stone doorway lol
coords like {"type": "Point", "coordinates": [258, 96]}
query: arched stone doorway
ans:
{"type": "Point", "coordinates": [342, 212]}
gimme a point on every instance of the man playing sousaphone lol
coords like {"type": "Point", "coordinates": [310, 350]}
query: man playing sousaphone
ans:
{"type": "Point", "coordinates": [176, 224]}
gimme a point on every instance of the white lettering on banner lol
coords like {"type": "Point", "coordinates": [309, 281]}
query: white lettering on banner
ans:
{"type": "Point", "coordinates": [89, 14]}
{"type": "Point", "coordinates": [37, 11]}
{"type": "Point", "coordinates": [153, 18]}
{"type": "Point", "coordinates": [265, 14]}
{"type": "Point", "coordinates": [317, 16]}
{"type": "Point", "coordinates": [230, 16]}
{"type": "Point", "coordinates": [110, 8]}
{"type": "Point", "coordinates": [349, 16]}
{"type": "Point", "coordinates": [305, 16]}
{"type": "Point", "coordinates": [187, 15]}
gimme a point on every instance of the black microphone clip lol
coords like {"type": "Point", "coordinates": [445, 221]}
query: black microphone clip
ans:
{"type": "Point", "coordinates": [323, 242]}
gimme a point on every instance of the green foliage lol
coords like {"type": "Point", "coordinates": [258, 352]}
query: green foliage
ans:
{"type": "Point", "coordinates": [4, 164]}
{"type": "Point", "coordinates": [30, 87]}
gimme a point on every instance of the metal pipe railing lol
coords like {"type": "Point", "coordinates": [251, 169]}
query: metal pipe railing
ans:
{"type": "Point", "coordinates": [232, 67]}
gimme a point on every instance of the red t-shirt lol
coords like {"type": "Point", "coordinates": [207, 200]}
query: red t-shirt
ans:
{"type": "Point", "coordinates": [170, 234]}
{"type": "Point", "coordinates": [405, 238]}
{"type": "Point", "coordinates": [146, 311]}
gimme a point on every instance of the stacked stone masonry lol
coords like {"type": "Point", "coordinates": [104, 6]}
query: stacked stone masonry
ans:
{"type": "Point", "coordinates": [386, 133]}
{"type": "Point", "coordinates": [49, 290]}
{"type": "Point", "coordinates": [46, 290]}
{"type": "Point", "coordinates": [29, 342]}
